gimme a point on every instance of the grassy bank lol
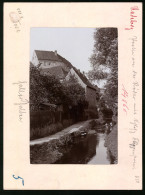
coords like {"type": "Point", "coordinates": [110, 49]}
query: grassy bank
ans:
{"type": "Point", "coordinates": [51, 151]}
{"type": "Point", "coordinates": [49, 129]}
{"type": "Point", "coordinates": [112, 142]}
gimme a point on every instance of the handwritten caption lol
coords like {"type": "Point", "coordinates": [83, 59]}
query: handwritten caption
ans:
{"type": "Point", "coordinates": [22, 100]}
{"type": "Point", "coordinates": [134, 123]}
{"type": "Point", "coordinates": [133, 17]}
{"type": "Point", "coordinates": [16, 18]}
{"type": "Point", "coordinates": [124, 100]}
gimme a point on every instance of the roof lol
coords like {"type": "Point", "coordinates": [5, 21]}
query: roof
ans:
{"type": "Point", "coordinates": [47, 55]}
{"type": "Point", "coordinates": [65, 61]}
{"type": "Point", "coordinates": [56, 70]}
{"type": "Point", "coordinates": [84, 79]}
{"type": "Point", "coordinates": [50, 55]}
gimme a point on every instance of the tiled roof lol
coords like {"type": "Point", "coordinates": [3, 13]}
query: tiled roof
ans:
{"type": "Point", "coordinates": [65, 61]}
{"type": "Point", "coordinates": [58, 70]}
{"type": "Point", "coordinates": [84, 78]}
{"type": "Point", "coordinates": [47, 55]}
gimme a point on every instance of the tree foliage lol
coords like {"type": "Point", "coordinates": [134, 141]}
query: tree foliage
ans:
{"type": "Point", "coordinates": [38, 92]}
{"type": "Point", "coordinates": [103, 38]}
{"type": "Point", "coordinates": [96, 74]}
{"type": "Point", "coordinates": [75, 91]}
{"type": "Point", "coordinates": [50, 89]}
{"type": "Point", "coordinates": [111, 92]}
{"type": "Point", "coordinates": [106, 53]}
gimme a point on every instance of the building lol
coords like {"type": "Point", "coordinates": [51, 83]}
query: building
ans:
{"type": "Point", "coordinates": [31, 65]}
{"type": "Point", "coordinates": [90, 90]}
{"type": "Point", "coordinates": [51, 63]}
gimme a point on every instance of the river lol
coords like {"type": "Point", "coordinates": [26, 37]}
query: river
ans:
{"type": "Point", "coordinates": [87, 149]}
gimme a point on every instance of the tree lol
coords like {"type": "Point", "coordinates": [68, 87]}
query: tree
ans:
{"type": "Point", "coordinates": [75, 91]}
{"type": "Point", "coordinates": [103, 38]}
{"type": "Point", "coordinates": [38, 92]}
{"type": "Point", "coordinates": [111, 92]}
{"type": "Point", "coordinates": [56, 92]}
{"type": "Point", "coordinates": [76, 95]}
{"type": "Point", "coordinates": [45, 89]}
{"type": "Point", "coordinates": [106, 53]}
{"type": "Point", "coordinates": [50, 89]}
{"type": "Point", "coordinates": [96, 74]}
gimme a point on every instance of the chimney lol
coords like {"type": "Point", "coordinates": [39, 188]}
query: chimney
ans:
{"type": "Point", "coordinates": [55, 52]}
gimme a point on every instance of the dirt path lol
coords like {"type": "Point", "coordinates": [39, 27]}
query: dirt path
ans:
{"type": "Point", "coordinates": [74, 128]}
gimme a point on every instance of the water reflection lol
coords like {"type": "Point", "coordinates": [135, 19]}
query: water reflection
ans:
{"type": "Point", "coordinates": [101, 152]}
{"type": "Point", "coordinates": [81, 152]}
{"type": "Point", "coordinates": [88, 150]}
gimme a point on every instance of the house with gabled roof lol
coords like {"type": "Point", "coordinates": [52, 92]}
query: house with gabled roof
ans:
{"type": "Point", "coordinates": [90, 90]}
{"type": "Point", "coordinates": [51, 63]}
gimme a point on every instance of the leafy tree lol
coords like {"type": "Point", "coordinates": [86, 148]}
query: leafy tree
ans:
{"type": "Point", "coordinates": [103, 38]}
{"type": "Point", "coordinates": [38, 91]}
{"type": "Point", "coordinates": [45, 89]}
{"type": "Point", "coordinates": [75, 91]}
{"type": "Point", "coordinates": [111, 92]}
{"type": "Point", "coordinates": [96, 74]}
{"type": "Point", "coordinates": [106, 53]}
{"type": "Point", "coordinates": [56, 92]}
{"type": "Point", "coordinates": [50, 89]}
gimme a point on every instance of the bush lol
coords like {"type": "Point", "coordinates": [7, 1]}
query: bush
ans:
{"type": "Point", "coordinates": [45, 131]}
{"type": "Point", "coordinates": [92, 124]}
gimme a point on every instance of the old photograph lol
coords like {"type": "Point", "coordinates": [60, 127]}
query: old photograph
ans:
{"type": "Point", "coordinates": [74, 96]}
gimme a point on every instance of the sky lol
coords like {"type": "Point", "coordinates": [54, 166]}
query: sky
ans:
{"type": "Point", "coordinates": [74, 44]}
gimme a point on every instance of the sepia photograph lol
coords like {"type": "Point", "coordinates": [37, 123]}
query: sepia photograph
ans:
{"type": "Point", "coordinates": [74, 96]}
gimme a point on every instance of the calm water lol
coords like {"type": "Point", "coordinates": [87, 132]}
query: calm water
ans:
{"type": "Point", "coordinates": [87, 150]}
{"type": "Point", "coordinates": [101, 156]}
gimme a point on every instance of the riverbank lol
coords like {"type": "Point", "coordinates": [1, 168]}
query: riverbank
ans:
{"type": "Point", "coordinates": [111, 142]}
{"type": "Point", "coordinates": [50, 148]}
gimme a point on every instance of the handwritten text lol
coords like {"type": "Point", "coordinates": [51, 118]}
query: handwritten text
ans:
{"type": "Point", "coordinates": [124, 100]}
{"type": "Point", "coordinates": [22, 100]}
{"type": "Point", "coordinates": [133, 17]}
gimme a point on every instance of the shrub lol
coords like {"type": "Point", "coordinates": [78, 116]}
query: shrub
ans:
{"type": "Point", "coordinates": [65, 140]}
{"type": "Point", "coordinates": [45, 131]}
{"type": "Point", "coordinates": [92, 124]}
